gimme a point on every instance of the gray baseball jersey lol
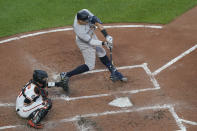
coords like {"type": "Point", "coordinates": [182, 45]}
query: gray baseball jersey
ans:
{"type": "Point", "coordinates": [88, 42]}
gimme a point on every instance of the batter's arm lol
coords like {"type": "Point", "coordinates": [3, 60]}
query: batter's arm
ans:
{"type": "Point", "coordinates": [102, 29]}
{"type": "Point", "coordinates": [108, 38]}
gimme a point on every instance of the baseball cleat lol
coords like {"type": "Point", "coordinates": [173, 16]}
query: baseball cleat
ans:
{"type": "Point", "coordinates": [124, 79]}
{"type": "Point", "coordinates": [116, 76]}
{"type": "Point", "coordinates": [36, 126]}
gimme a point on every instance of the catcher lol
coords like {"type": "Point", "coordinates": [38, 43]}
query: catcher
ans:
{"type": "Point", "coordinates": [33, 102]}
{"type": "Point", "coordinates": [85, 24]}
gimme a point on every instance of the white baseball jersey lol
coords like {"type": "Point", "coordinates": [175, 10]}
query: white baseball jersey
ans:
{"type": "Point", "coordinates": [88, 42]}
{"type": "Point", "coordinates": [23, 109]}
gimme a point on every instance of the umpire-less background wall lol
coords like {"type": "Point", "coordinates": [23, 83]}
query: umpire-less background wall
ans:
{"type": "Point", "coordinates": [163, 93]}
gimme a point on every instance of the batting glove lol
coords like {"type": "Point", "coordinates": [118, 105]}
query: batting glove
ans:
{"type": "Point", "coordinates": [108, 45]}
{"type": "Point", "coordinates": [109, 39]}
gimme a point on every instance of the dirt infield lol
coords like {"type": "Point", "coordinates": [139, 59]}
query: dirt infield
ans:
{"type": "Point", "coordinates": [160, 62]}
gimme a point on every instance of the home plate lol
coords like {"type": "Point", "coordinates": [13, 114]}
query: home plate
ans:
{"type": "Point", "coordinates": [121, 102]}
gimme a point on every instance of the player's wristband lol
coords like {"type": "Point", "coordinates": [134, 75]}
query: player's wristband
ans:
{"type": "Point", "coordinates": [104, 32]}
{"type": "Point", "coordinates": [51, 84]}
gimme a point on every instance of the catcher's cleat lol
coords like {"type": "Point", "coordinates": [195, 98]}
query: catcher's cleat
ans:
{"type": "Point", "coordinates": [36, 126]}
{"type": "Point", "coordinates": [116, 76]}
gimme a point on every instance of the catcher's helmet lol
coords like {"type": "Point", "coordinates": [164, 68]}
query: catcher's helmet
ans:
{"type": "Point", "coordinates": [83, 15]}
{"type": "Point", "coordinates": [40, 76]}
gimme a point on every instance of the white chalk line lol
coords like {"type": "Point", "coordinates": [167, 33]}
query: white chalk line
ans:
{"type": "Point", "coordinates": [177, 119]}
{"type": "Point", "coordinates": [170, 108]}
{"type": "Point", "coordinates": [174, 60]}
{"type": "Point", "coordinates": [189, 122]}
{"type": "Point", "coordinates": [66, 98]}
{"type": "Point", "coordinates": [119, 68]}
{"type": "Point", "coordinates": [7, 127]}
{"type": "Point", "coordinates": [75, 118]}
{"type": "Point", "coordinates": [68, 29]}
{"type": "Point", "coordinates": [135, 26]}
{"type": "Point", "coordinates": [6, 104]}
{"type": "Point", "coordinates": [35, 34]}
{"type": "Point", "coordinates": [55, 77]}
{"type": "Point", "coordinates": [152, 78]}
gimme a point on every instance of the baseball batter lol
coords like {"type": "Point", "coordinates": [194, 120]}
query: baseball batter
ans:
{"type": "Point", "coordinates": [32, 102]}
{"type": "Point", "coordinates": [85, 24]}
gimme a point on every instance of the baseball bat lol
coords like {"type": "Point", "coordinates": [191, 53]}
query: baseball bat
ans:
{"type": "Point", "coordinates": [111, 56]}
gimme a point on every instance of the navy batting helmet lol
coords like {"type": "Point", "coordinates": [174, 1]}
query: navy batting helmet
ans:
{"type": "Point", "coordinates": [83, 15]}
{"type": "Point", "coordinates": [40, 76]}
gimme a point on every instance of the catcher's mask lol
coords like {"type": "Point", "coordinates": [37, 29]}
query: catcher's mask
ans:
{"type": "Point", "coordinates": [40, 77]}
{"type": "Point", "coordinates": [83, 15]}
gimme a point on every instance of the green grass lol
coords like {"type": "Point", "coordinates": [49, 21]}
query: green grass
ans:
{"type": "Point", "coordinates": [17, 16]}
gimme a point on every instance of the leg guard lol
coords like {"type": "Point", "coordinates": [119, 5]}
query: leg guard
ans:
{"type": "Point", "coordinates": [39, 116]}
{"type": "Point", "coordinates": [36, 116]}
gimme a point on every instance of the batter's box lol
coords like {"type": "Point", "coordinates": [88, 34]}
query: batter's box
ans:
{"type": "Point", "coordinates": [148, 120]}
{"type": "Point", "coordinates": [153, 118]}
{"type": "Point", "coordinates": [97, 83]}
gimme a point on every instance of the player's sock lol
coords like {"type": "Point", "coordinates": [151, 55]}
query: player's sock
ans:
{"type": "Point", "coordinates": [80, 69]}
{"type": "Point", "coordinates": [105, 60]}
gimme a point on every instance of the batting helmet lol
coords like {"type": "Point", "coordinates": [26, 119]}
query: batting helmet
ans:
{"type": "Point", "coordinates": [40, 76]}
{"type": "Point", "coordinates": [83, 15]}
